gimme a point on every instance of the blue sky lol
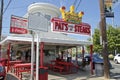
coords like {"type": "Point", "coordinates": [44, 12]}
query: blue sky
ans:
{"type": "Point", "coordinates": [89, 7]}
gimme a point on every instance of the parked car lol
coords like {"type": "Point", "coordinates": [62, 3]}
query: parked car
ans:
{"type": "Point", "coordinates": [2, 72]}
{"type": "Point", "coordinates": [96, 59]}
{"type": "Point", "coordinates": [117, 59]}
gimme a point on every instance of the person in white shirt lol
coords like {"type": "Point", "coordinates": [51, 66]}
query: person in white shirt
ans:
{"type": "Point", "coordinates": [68, 57]}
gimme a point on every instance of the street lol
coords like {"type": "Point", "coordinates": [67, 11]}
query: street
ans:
{"type": "Point", "coordinates": [115, 71]}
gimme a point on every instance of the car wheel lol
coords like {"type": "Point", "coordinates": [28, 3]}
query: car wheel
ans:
{"type": "Point", "coordinates": [116, 61]}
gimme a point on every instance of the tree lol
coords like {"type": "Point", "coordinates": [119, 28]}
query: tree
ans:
{"type": "Point", "coordinates": [113, 37]}
{"type": "Point", "coordinates": [117, 39]}
{"type": "Point", "coordinates": [96, 42]}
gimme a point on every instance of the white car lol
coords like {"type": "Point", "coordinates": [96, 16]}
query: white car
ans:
{"type": "Point", "coordinates": [117, 58]}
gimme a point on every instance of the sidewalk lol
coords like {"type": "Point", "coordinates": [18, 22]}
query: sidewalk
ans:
{"type": "Point", "coordinates": [80, 75]}
{"type": "Point", "coordinates": [75, 77]}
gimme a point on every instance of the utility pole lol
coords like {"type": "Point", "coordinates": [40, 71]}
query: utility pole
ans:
{"type": "Point", "coordinates": [1, 15]}
{"type": "Point", "coordinates": [104, 39]}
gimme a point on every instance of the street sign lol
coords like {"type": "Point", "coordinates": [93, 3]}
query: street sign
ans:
{"type": "Point", "coordinates": [108, 9]}
{"type": "Point", "coordinates": [109, 14]}
{"type": "Point", "coordinates": [37, 22]}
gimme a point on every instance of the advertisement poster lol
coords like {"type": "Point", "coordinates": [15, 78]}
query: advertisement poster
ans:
{"type": "Point", "coordinates": [18, 25]}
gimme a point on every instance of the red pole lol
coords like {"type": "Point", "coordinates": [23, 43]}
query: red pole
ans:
{"type": "Point", "coordinates": [8, 53]}
{"type": "Point", "coordinates": [41, 54]}
{"type": "Point", "coordinates": [91, 53]}
{"type": "Point", "coordinates": [0, 51]}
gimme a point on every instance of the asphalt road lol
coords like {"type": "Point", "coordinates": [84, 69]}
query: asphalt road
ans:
{"type": "Point", "coordinates": [115, 71]}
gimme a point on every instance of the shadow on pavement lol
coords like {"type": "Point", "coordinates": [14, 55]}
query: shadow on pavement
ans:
{"type": "Point", "coordinates": [82, 74]}
{"type": "Point", "coordinates": [11, 76]}
{"type": "Point", "coordinates": [115, 76]}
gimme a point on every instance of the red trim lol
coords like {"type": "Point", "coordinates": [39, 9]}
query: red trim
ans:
{"type": "Point", "coordinates": [41, 53]}
{"type": "Point", "coordinates": [83, 51]}
{"type": "Point", "coordinates": [18, 30]}
{"type": "Point", "coordinates": [0, 50]}
{"type": "Point", "coordinates": [8, 53]}
{"type": "Point", "coordinates": [91, 54]}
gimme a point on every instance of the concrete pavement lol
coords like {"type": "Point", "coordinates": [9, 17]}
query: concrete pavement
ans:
{"type": "Point", "coordinates": [77, 76]}
{"type": "Point", "coordinates": [82, 74]}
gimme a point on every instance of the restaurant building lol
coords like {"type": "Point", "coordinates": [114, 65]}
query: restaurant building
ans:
{"type": "Point", "coordinates": [53, 43]}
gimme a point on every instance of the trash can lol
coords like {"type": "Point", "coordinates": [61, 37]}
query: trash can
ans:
{"type": "Point", "coordinates": [43, 73]}
{"type": "Point", "coordinates": [99, 71]}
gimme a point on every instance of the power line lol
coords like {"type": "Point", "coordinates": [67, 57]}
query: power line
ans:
{"type": "Point", "coordinates": [7, 6]}
{"type": "Point", "coordinates": [19, 7]}
{"type": "Point", "coordinates": [78, 5]}
{"type": "Point", "coordinates": [75, 2]}
{"type": "Point", "coordinates": [61, 2]}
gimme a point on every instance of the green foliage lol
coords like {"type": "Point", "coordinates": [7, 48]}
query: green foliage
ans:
{"type": "Point", "coordinates": [113, 40]}
{"type": "Point", "coordinates": [113, 36]}
{"type": "Point", "coordinates": [96, 41]}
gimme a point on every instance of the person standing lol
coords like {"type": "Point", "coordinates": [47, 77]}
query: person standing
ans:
{"type": "Point", "coordinates": [68, 57]}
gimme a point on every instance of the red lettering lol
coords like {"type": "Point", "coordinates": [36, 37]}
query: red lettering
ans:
{"type": "Point", "coordinates": [82, 29]}
{"type": "Point", "coordinates": [56, 25]}
{"type": "Point", "coordinates": [65, 26]}
{"type": "Point", "coordinates": [62, 26]}
{"type": "Point", "coordinates": [88, 30]}
{"type": "Point", "coordinates": [76, 28]}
